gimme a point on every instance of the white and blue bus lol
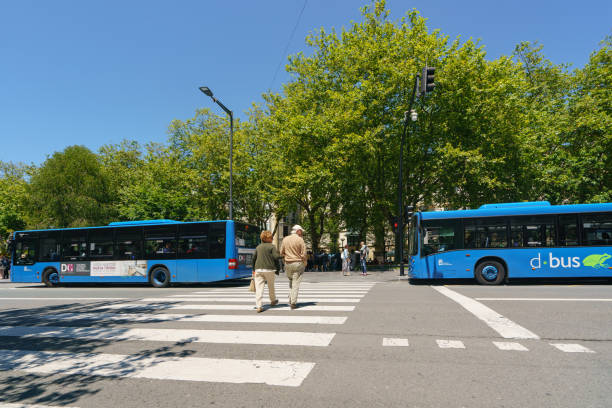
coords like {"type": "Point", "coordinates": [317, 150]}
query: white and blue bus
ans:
{"type": "Point", "coordinates": [512, 240]}
{"type": "Point", "coordinates": [159, 252]}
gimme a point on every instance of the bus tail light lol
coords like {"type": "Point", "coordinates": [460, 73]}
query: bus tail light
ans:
{"type": "Point", "coordinates": [232, 264]}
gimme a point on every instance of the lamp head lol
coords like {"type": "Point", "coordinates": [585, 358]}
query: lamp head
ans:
{"type": "Point", "coordinates": [206, 90]}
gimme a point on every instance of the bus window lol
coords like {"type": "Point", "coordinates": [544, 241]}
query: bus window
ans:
{"type": "Point", "coordinates": [535, 231]}
{"type": "Point", "coordinates": [25, 248]}
{"type": "Point", "coordinates": [440, 236]}
{"type": "Point", "coordinates": [568, 230]}
{"type": "Point", "coordinates": [160, 242]}
{"type": "Point", "coordinates": [128, 244]}
{"type": "Point", "coordinates": [50, 246]}
{"type": "Point", "coordinates": [597, 229]}
{"type": "Point", "coordinates": [216, 240]}
{"type": "Point", "coordinates": [101, 244]}
{"type": "Point", "coordinates": [247, 235]}
{"type": "Point", "coordinates": [74, 245]}
{"type": "Point", "coordinates": [485, 233]}
{"type": "Point", "coordinates": [193, 241]}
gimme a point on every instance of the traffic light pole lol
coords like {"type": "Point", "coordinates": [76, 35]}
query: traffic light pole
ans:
{"type": "Point", "coordinates": [400, 182]}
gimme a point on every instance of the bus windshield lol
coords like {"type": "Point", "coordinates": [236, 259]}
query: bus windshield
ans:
{"type": "Point", "coordinates": [413, 236]}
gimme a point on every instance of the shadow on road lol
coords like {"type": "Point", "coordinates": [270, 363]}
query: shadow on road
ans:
{"type": "Point", "coordinates": [62, 370]}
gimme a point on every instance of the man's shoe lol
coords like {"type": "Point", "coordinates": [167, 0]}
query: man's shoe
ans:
{"type": "Point", "coordinates": [259, 309]}
{"type": "Point", "coordinates": [293, 306]}
{"type": "Point", "coordinates": [274, 302]}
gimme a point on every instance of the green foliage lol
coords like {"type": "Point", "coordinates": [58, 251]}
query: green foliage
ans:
{"type": "Point", "coordinates": [12, 196]}
{"type": "Point", "coordinates": [70, 189]}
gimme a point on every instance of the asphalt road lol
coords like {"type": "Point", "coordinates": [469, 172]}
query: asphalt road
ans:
{"type": "Point", "coordinates": [377, 341]}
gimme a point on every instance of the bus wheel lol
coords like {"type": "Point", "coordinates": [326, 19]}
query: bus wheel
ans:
{"type": "Point", "coordinates": [159, 277]}
{"type": "Point", "coordinates": [490, 273]}
{"type": "Point", "coordinates": [50, 277]}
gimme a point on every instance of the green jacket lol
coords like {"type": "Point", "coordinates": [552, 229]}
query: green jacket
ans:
{"type": "Point", "coordinates": [266, 256]}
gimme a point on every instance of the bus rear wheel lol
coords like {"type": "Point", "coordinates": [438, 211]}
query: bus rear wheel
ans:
{"type": "Point", "coordinates": [50, 278]}
{"type": "Point", "coordinates": [490, 273]}
{"type": "Point", "coordinates": [159, 277]}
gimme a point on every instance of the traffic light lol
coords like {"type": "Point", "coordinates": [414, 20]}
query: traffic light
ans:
{"type": "Point", "coordinates": [427, 80]}
{"type": "Point", "coordinates": [395, 225]}
{"type": "Point", "coordinates": [408, 211]}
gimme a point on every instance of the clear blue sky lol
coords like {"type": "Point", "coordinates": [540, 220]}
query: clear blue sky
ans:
{"type": "Point", "coordinates": [96, 72]}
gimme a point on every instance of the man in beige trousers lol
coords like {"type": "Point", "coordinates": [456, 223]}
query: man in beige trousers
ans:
{"type": "Point", "coordinates": [293, 250]}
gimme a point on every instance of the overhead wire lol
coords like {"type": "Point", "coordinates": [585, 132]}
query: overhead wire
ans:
{"type": "Point", "coordinates": [288, 44]}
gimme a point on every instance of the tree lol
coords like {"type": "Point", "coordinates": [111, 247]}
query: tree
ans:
{"type": "Point", "coordinates": [70, 189]}
{"type": "Point", "coordinates": [586, 140]}
{"type": "Point", "coordinates": [12, 196]}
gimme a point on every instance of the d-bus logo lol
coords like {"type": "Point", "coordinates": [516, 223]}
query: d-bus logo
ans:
{"type": "Point", "coordinates": [594, 261]}
{"type": "Point", "coordinates": [67, 268]}
{"type": "Point", "coordinates": [554, 262]}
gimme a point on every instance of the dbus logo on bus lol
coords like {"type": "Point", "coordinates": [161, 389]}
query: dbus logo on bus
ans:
{"type": "Point", "coordinates": [593, 260]}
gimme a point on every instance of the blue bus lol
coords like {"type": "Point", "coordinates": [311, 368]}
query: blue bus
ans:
{"type": "Point", "coordinates": [512, 240]}
{"type": "Point", "coordinates": [159, 252]}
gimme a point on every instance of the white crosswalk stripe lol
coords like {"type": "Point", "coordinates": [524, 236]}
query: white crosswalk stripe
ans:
{"type": "Point", "coordinates": [249, 299]}
{"type": "Point", "coordinates": [171, 305]}
{"type": "Point", "coordinates": [284, 373]}
{"type": "Point", "coordinates": [309, 291]}
{"type": "Point", "coordinates": [455, 344]}
{"type": "Point", "coordinates": [250, 296]}
{"type": "Point", "coordinates": [173, 335]}
{"type": "Point", "coordinates": [571, 348]}
{"type": "Point", "coordinates": [7, 405]}
{"type": "Point", "coordinates": [181, 319]}
{"type": "Point", "coordinates": [395, 342]}
{"type": "Point", "coordinates": [510, 346]}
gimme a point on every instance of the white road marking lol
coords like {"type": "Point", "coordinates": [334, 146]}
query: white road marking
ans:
{"type": "Point", "coordinates": [282, 373]}
{"type": "Point", "coordinates": [510, 346]}
{"type": "Point", "coordinates": [302, 285]}
{"type": "Point", "coordinates": [394, 342]}
{"type": "Point", "coordinates": [551, 299]}
{"type": "Point", "coordinates": [7, 405]}
{"type": "Point", "coordinates": [450, 344]}
{"type": "Point", "coordinates": [62, 298]}
{"type": "Point", "coordinates": [571, 348]}
{"type": "Point", "coordinates": [250, 295]}
{"type": "Point", "coordinates": [167, 306]}
{"type": "Point", "coordinates": [309, 291]}
{"type": "Point", "coordinates": [183, 317]}
{"type": "Point", "coordinates": [504, 326]}
{"type": "Point", "coordinates": [173, 335]}
{"type": "Point", "coordinates": [250, 298]}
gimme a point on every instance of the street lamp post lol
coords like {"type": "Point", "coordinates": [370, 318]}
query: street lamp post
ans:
{"type": "Point", "coordinates": [409, 114]}
{"type": "Point", "coordinates": [206, 90]}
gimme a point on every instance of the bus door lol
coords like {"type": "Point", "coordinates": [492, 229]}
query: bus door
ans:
{"type": "Point", "coordinates": [24, 257]}
{"type": "Point", "coordinates": [440, 239]}
{"type": "Point", "coordinates": [193, 251]}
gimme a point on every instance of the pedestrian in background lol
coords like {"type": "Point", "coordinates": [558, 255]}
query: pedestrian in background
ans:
{"type": "Point", "coordinates": [363, 256]}
{"type": "Point", "coordinates": [6, 264]}
{"type": "Point", "coordinates": [293, 250]}
{"type": "Point", "coordinates": [345, 256]}
{"type": "Point", "coordinates": [266, 266]}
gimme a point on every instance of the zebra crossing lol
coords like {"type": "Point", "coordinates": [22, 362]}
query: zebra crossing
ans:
{"type": "Point", "coordinates": [322, 307]}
